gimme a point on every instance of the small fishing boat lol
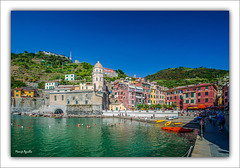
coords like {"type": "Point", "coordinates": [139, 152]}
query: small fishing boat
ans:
{"type": "Point", "coordinates": [168, 123]}
{"type": "Point", "coordinates": [178, 123]}
{"type": "Point", "coordinates": [158, 121]}
{"type": "Point", "coordinates": [177, 129]}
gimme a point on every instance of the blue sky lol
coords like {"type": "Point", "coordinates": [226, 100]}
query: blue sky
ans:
{"type": "Point", "coordinates": [138, 42]}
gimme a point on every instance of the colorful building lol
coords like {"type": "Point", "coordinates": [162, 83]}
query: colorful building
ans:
{"type": "Point", "coordinates": [70, 77]}
{"type": "Point", "coordinates": [27, 93]}
{"type": "Point", "coordinates": [110, 72]}
{"type": "Point", "coordinates": [225, 95]}
{"type": "Point", "coordinates": [193, 96]}
{"type": "Point", "coordinates": [153, 92]}
{"type": "Point", "coordinates": [160, 95]}
{"type": "Point", "coordinates": [51, 84]}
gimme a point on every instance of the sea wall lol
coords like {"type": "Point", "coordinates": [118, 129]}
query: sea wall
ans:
{"type": "Point", "coordinates": [26, 104]}
{"type": "Point", "coordinates": [141, 113]}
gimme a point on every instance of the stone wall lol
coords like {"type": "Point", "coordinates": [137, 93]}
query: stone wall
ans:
{"type": "Point", "coordinates": [26, 104]}
{"type": "Point", "coordinates": [84, 109]}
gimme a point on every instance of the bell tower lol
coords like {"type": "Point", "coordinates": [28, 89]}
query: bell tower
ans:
{"type": "Point", "coordinates": [98, 76]}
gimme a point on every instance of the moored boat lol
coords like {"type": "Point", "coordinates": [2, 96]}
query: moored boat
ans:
{"type": "Point", "coordinates": [158, 121]}
{"type": "Point", "coordinates": [177, 129]}
{"type": "Point", "coordinates": [178, 123]}
{"type": "Point", "coordinates": [168, 123]}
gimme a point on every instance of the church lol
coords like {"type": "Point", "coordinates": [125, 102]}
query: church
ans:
{"type": "Point", "coordinates": [90, 98]}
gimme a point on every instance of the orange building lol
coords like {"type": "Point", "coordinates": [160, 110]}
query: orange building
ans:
{"type": "Point", "coordinates": [20, 92]}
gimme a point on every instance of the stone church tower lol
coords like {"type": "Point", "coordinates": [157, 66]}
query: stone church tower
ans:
{"type": "Point", "coordinates": [98, 77]}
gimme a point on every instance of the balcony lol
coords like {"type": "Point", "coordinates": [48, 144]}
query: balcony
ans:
{"type": "Point", "coordinates": [138, 97]}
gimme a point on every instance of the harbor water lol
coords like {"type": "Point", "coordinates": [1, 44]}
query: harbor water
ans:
{"type": "Point", "coordinates": [94, 137]}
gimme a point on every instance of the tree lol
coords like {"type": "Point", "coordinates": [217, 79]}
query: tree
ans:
{"type": "Point", "coordinates": [16, 83]}
{"type": "Point", "coordinates": [41, 85]}
{"type": "Point", "coordinates": [165, 106]}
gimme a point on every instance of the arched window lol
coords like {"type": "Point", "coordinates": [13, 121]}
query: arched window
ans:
{"type": "Point", "coordinates": [97, 70]}
{"type": "Point", "coordinates": [76, 101]}
{"type": "Point", "coordinates": [96, 79]}
{"type": "Point", "coordinates": [68, 101]}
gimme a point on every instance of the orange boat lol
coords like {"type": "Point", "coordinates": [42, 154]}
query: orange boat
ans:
{"type": "Point", "coordinates": [177, 129]}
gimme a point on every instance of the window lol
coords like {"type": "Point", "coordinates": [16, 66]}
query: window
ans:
{"type": "Point", "coordinates": [82, 87]}
{"type": "Point", "coordinates": [194, 88]}
{"type": "Point", "coordinates": [16, 94]}
{"type": "Point", "coordinates": [16, 90]}
{"type": "Point", "coordinates": [86, 101]}
{"type": "Point", "coordinates": [154, 96]}
{"type": "Point", "coordinates": [170, 98]}
{"type": "Point", "coordinates": [132, 93]}
{"type": "Point", "coordinates": [66, 75]}
{"type": "Point", "coordinates": [192, 94]}
{"type": "Point", "coordinates": [86, 87]}
{"type": "Point", "coordinates": [151, 96]}
{"type": "Point", "coordinates": [29, 96]}
{"type": "Point", "coordinates": [73, 97]}
{"type": "Point", "coordinates": [154, 101]}
{"type": "Point", "coordinates": [76, 101]}
{"type": "Point", "coordinates": [181, 97]}
{"type": "Point", "coordinates": [188, 90]}
{"type": "Point", "coordinates": [199, 88]}
{"type": "Point", "coordinates": [160, 97]}
{"type": "Point", "coordinates": [71, 75]}
{"type": "Point", "coordinates": [148, 101]}
{"type": "Point", "coordinates": [121, 87]}
{"type": "Point", "coordinates": [62, 97]}
{"type": "Point", "coordinates": [29, 92]}
{"type": "Point", "coordinates": [199, 94]}
{"type": "Point", "coordinates": [68, 101]}
{"type": "Point", "coordinates": [226, 93]}
{"type": "Point", "coordinates": [175, 97]}
{"type": "Point", "coordinates": [206, 87]}
{"type": "Point", "coordinates": [192, 101]}
{"type": "Point", "coordinates": [55, 98]}
{"type": "Point", "coordinates": [206, 100]}
{"type": "Point", "coordinates": [187, 95]}
{"type": "Point", "coordinates": [167, 98]}
{"type": "Point", "coordinates": [140, 100]}
{"type": "Point", "coordinates": [47, 87]}
{"type": "Point", "coordinates": [206, 93]}
{"type": "Point", "coordinates": [198, 100]}
{"type": "Point", "coordinates": [67, 79]}
{"type": "Point", "coordinates": [121, 92]}
{"type": "Point", "coordinates": [71, 78]}
{"type": "Point", "coordinates": [132, 102]}
{"type": "Point", "coordinates": [181, 91]}
{"type": "Point", "coordinates": [151, 101]}
{"type": "Point", "coordinates": [187, 101]}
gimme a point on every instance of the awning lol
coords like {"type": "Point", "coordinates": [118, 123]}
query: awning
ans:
{"type": "Point", "coordinates": [201, 106]}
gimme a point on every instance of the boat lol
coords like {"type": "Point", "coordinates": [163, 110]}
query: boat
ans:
{"type": "Point", "coordinates": [168, 123]}
{"type": "Point", "coordinates": [177, 129]}
{"type": "Point", "coordinates": [178, 123]}
{"type": "Point", "coordinates": [158, 121]}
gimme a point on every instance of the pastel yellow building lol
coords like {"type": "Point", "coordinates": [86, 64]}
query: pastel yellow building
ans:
{"type": "Point", "coordinates": [19, 92]}
{"type": "Point", "coordinates": [153, 93]}
{"type": "Point", "coordinates": [117, 106]}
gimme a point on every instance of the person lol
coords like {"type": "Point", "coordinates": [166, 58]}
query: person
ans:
{"type": "Point", "coordinates": [210, 119]}
{"type": "Point", "coordinates": [202, 124]}
{"type": "Point", "coordinates": [213, 117]}
{"type": "Point", "coordinates": [220, 121]}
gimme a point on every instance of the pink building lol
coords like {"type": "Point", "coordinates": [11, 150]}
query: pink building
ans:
{"type": "Point", "coordinates": [110, 72]}
{"type": "Point", "coordinates": [225, 94]}
{"type": "Point", "coordinates": [193, 96]}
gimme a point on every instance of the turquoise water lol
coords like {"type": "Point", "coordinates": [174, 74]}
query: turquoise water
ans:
{"type": "Point", "coordinates": [49, 137]}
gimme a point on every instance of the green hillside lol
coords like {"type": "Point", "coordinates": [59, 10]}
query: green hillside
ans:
{"type": "Point", "coordinates": [30, 67]}
{"type": "Point", "coordinates": [39, 67]}
{"type": "Point", "coordinates": [181, 76]}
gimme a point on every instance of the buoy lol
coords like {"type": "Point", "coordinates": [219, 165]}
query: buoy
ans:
{"type": "Point", "coordinates": [67, 125]}
{"type": "Point", "coordinates": [95, 123]}
{"type": "Point", "coordinates": [29, 127]}
{"type": "Point", "coordinates": [119, 123]}
{"type": "Point", "coordinates": [18, 125]}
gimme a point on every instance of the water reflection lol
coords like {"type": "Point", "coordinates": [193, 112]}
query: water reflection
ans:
{"type": "Point", "coordinates": [105, 137]}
